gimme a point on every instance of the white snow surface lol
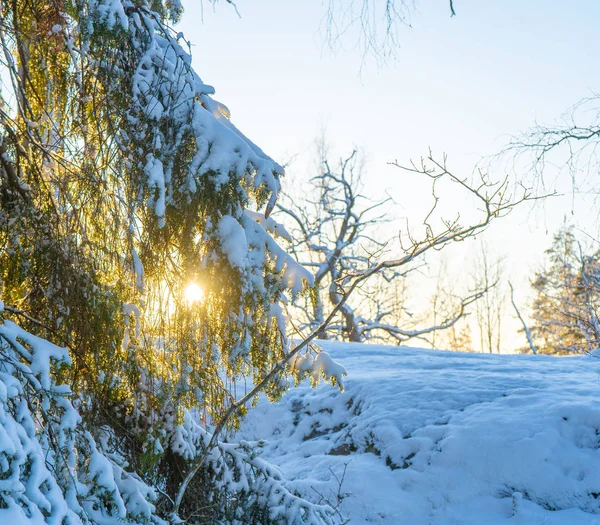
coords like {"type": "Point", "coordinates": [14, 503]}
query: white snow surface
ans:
{"type": "Point", "coordinates": [233, 241]}
{"type": "Point", "coordinates": [432, 438]}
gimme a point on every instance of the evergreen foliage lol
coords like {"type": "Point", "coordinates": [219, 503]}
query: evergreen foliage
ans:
{"type": "Point", "coordinates": [122, 182]}
{"type": "Point", "coordinates": [567, 297]}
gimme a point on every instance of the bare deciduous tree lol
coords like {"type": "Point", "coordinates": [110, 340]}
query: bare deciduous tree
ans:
{"type": "Point", "coordinates": [494, 201]}
{"type": "Point", "coordinates": [526, 329]}
{"type": "Point", "coordinates": [334, 234]}
{"type": "Point", "coordinates": [331, 234]}
{"type": "Point", "coordinates": [459, 338]}
{"type": "Point", "coordinates": [488, 273]}
{"type": "Point", "coordinates": [443, 301]}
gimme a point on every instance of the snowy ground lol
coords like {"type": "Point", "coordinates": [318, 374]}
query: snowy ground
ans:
{"type": "Point", "coordinates": [444, 438]}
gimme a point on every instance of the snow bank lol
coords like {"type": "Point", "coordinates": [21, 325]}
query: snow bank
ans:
{"type": "Point", "coordinates": [440, 438]}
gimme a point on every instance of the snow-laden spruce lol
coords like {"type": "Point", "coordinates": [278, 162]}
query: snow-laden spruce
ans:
{"type": "Point", "coordinates": [170, 105]}
{"type": "Point", "coordinates": [53, 470]}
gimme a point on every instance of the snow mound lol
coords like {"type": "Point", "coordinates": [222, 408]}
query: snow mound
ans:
{"type": "Point", "coordinates": [425, 437]}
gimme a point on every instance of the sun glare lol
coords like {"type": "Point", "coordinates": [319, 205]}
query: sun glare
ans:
{"type": "Point", "coordinates": [193, 293]}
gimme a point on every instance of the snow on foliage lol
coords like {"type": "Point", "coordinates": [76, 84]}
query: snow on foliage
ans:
{"type": "Point", "coordinates": [432, 438]}
{"type": "Point", "coordinates": [160, 199]}
{"type": "Point", "coordinates": [233, 241]}
{"type": "Point", "coordinates": [165, 86]}
{"type": "Point", "coordinates": [255, 483]}
{"type": "Point", "coordinates": [270, 225]}
{"type": "Point", "coordinates": [294, 276]}
{"type": "Point", "coordinates": [318, 366]}
{"type": "Point", "coordinates": [51, 469]}
{"type": "Point", "coordinates": [170, 104]}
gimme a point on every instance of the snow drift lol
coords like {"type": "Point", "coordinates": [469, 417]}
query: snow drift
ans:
{"type": "Point", "coordinates": [428, 437]}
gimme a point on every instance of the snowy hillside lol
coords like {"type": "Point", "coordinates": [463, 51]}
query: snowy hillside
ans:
{"type": "Point", "coordinates": [444, 438]}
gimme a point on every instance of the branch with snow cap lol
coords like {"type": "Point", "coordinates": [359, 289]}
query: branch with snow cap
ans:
{"type": "Point", "coordinates": [166, 89]}
{"type": "Point", "coordinates": [248, 246]}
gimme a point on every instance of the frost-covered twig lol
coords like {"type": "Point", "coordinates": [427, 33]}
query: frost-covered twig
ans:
{"type": "Point", "coordinates": [240, 472]}
{"type": "Point", "coordinates": [338, 495]}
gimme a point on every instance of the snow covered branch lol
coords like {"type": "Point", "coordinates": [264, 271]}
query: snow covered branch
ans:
{"type": "Point", "coordinates": [53, 468]}
{"type": "Point", "coordinates": [333, 233]}
{"type": "Point", "coordinates": [403, 335]}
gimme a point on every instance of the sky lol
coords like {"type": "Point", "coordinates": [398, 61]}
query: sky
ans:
{"type": "Point", "coordinates": [459, 85]}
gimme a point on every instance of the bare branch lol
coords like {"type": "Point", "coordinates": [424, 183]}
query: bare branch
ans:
{"type": "Point", "coordinates": [21, 313]}
{"type": "Point", "coordinates": [525, 327]}
{"type": "Point", "coordinates": [373, 24]}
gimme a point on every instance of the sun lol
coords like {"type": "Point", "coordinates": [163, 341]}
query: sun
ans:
{"type": "Point", "coordinates": [193, 293]}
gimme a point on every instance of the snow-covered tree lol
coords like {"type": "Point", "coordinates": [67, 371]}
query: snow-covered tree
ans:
{"type": "Point", "coordinates": [567, 297]}
{"type": "Point", "coordinates": [130, 233]}
{"type": "Point", "coordinates": [332, 232]}
{"type": "Point", "coordinates": [53, 470]}
{"type": "Point", "coordinates": [135, 233]}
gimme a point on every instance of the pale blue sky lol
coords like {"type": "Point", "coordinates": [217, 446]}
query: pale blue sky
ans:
{"type": "Point", "coordinates": [459, 85]}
